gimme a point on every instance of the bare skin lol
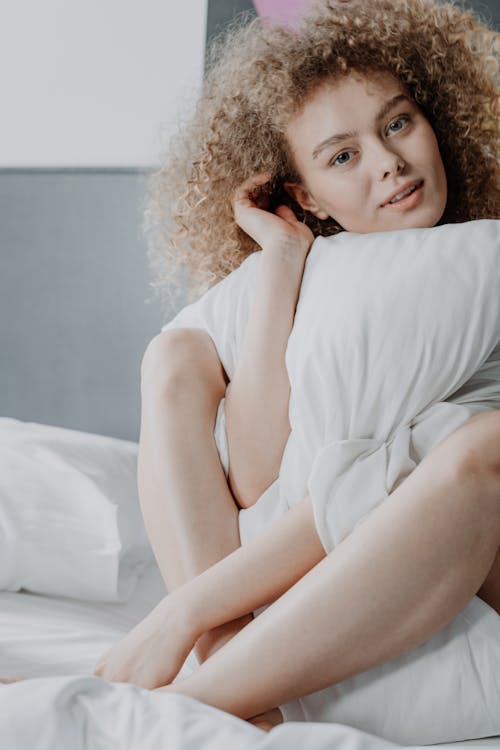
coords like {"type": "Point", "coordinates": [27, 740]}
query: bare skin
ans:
{"type": "Point", "coordinates": [180, 505]}
{"type": "Point", "coordinates": [202, 499]}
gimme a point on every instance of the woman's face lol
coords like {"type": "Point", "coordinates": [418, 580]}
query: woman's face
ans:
{"type": "Point", "coordinates": [357, 143]}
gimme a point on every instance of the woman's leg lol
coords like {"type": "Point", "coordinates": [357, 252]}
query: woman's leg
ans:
{"type": "Point", "coordinates": [189, 512]}
{"type": "Point", "coordinates": [401, 576]}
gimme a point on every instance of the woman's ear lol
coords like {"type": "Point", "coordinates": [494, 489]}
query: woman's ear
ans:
{"type": "Point", "coordinates": [302, 196]}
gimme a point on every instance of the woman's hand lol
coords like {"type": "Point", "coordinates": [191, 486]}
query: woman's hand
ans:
{"type": "Point", "coordinates": [152, 654]}
{"type": "Point", "coordinates": [280, 229]}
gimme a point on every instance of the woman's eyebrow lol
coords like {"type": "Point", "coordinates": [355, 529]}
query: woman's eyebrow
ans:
{"type": "Point", "coordinates": [389, 104]}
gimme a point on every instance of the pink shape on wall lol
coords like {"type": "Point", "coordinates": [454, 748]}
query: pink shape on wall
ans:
{"type": "Point", "coordinates": [283, 12]}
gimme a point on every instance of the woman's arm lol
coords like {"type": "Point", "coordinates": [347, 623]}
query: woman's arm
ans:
{"type": "Point", "coordinates": [253, 575]}
{"type": "Point", "coordinates": [153, 652]}
{"type": "Point", "coordinates": [256, 406]}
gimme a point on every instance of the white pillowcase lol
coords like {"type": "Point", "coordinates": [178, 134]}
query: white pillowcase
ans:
{"type": "Point", "coordinates": [70, 519]}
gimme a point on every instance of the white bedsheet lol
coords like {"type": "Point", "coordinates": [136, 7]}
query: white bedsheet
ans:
{"type": "Point", "coordinates": [63, 707]}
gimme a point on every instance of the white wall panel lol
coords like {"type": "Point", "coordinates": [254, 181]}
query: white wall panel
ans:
{"type": "Point", "coordinates": [95, 82]}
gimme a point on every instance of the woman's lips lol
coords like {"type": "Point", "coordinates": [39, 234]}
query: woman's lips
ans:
{"type": "Point", "coordinates": [408, 202]}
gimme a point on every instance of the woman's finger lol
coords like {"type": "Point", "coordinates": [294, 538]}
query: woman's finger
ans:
{"type": "Point", "coordinates": [251, 184]}
{"type": "Point", "coordinates": [267, 720]}
{"type": "Point", "coordinates": [286, 213]}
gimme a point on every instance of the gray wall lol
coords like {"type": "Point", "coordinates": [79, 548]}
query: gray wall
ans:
{"type": "Point", "coordinates": [489, 10]}
{"type": "Point", "coordinates": [77, 307]}
{"type": "Point", "coordinates": [221, 12]}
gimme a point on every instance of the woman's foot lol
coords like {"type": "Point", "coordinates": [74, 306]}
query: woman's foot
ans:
{"type": "Point", "coordinates": [268, 719]}
{"type": "Point", "coordinates": [265, 721]}
{"type": "Point", "coordinates": [212, 641]}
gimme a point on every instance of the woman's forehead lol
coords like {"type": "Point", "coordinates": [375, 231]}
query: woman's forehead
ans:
{"type": "Point", "coordinates": [357, 101]}
{"type": "Point", "coordinates": [355, 89]}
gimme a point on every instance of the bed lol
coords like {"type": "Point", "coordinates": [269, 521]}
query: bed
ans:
{"type": "Point", "coordinates": [54, 639]}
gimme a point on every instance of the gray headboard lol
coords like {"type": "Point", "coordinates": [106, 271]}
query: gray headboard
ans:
{"type": "Point", "coordinates": [77, 308]}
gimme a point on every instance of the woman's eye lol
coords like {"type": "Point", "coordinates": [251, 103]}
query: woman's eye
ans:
{"type": "Point", "coordinates": [400, 120]}
{"type": "Point", "coordinates": [395, 126]}
{"type": "Point", "coordinates": [339, 160]}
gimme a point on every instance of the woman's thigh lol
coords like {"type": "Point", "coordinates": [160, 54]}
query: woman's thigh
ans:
{"type": "Point", "coordinates": [478, 439]}
{"type": "Point", "coordinates": [480, 445]}
{"type": "Point", "coordinates": [490, 590]}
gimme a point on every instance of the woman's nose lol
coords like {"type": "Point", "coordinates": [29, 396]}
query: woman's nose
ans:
{"type": "Point", "coordinates": [386, 161]}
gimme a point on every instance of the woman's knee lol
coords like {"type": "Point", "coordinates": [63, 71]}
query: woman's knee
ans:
{"type": "Point", "coordinates": [479, 443]}
{"type": "Point", "coordinates": [475, 449]}
{"type": "Point", "coordinates": [182, 359]}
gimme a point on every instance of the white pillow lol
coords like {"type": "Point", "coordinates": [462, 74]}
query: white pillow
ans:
{"type": "Point", "coordinates": [70, 520]}
{"type": "Point", "coordinates": [387, 329]}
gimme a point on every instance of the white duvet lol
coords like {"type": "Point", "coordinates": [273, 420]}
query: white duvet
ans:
{"type": "Point", "coordinates": [396, 342]}
{"type": "Point", "coordinates": [81, 713]}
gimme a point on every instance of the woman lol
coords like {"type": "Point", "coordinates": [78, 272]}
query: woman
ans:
{"type": "Point", "coordinates": [297, 136]}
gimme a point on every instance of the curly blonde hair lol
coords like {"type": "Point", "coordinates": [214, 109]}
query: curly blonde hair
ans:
{"type": "Point", "coordinates": [260, 76]}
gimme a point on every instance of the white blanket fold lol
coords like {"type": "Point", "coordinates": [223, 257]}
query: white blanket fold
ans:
{"type": "Point", "coordinates": [86, 713]}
